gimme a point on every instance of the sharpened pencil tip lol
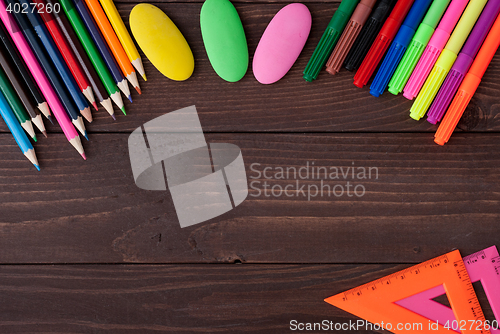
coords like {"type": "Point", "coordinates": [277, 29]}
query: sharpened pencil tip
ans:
{"type": "Point", "coordinates": [34, 139]}
{"type": "Point", "coordinates": [144, 77]}
{"type": "Point", "coordinates": [114, 118]}
{"type": "Point", "coordinates": [50, 119]}
{"type": "Point", "coordinates": [86, 136]}
{"type": "Point", "coordinates": [130, 98]}
{"type": "Point", "coordinates": [123, 111]}
{"type": "Point", "coordinates": [94, 104]}
{"type": "Point", "coordinates": [138, 90]}
{"type": "Point", "coordinates": [83, 156]}
{"type": "Point", "coordinates": [37, 167]}
{"type": "Point", "coordinates": [44, 133]}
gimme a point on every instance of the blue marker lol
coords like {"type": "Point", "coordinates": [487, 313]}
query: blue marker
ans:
{"type": "Point", "coordinates": [17, 131]}
{"type": "Point", "coordinates": [398, 46]}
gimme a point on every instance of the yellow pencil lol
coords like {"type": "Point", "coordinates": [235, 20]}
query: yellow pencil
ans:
{"type": "Point", "coordinates": [123, 35]}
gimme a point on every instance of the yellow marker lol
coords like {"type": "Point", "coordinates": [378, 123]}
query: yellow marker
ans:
{"type": "Point", "coordinates": [162, 42]}
{"type": "Point", "coordinates": [446, 59]}
{"type": "Point", "coordinates": [123, 35]}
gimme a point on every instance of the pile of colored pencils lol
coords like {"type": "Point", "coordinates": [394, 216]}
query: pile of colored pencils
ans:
{"type": "Point", "coordinates": [61, 57]}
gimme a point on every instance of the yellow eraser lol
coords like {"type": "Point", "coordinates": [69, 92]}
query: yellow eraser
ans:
{"type": "Point", "coordinates": [162, 42]}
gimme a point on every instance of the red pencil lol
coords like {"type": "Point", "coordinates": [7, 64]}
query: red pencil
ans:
{"type": "Point", "coordinates": [67, 53]}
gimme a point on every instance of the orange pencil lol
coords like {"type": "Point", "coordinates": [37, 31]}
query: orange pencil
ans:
{"type": "Point", "coordinates": [113, 43]}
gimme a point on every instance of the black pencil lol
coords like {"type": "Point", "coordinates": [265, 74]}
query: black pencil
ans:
{"type": "Point", "coordinates": [26, 76]}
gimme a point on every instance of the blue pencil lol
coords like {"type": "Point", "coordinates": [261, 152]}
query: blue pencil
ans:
{"type": "Point", "coordinates": [47, 66]}
{"type": "Point", "coordinates": [59, 62]}
{"type": "Point", "coordinates": [17, 131]}
{"type": "Point", "coordinates": [103, 48]}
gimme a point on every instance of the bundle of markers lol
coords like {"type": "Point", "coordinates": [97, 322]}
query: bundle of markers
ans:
{"type": "Point", "coordinates": [435, 50]}
{"type": "Point", "coordinates": [59, 58]}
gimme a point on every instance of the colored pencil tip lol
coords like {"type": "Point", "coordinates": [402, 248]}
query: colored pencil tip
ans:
{"type": "Point", "coordinates": [86, 136]}
{"type": "Point", "coordinates": [144, 77]}
{"type": "Point", "coordinates": [114, 118]}
{"type": "Point", "coordinates": [37, 167]}
{"type": "Point", "coordinates": [34, 139]}
{"type": "Point", "coordinates": [123, 111]}
{"type": "Point", "coordinates": [50, 119]}
{"type": "Point", "coordinates": [130, 98]}
{"type": "Point", "coordinates": [44, 133]}
{"type": "Point", "coordinates": [95, 105]}
{"type": "Point", "coordinates": [83, 156]}
{"type": "Point", "coordinates": [138, 90]}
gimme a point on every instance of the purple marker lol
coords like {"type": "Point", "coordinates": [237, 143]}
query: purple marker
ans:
{"type": "Point", "coordinates": [463, 62]}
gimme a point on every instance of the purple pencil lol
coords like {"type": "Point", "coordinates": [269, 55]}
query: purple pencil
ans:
{"type": "Point", "coordinates": [463, 62]}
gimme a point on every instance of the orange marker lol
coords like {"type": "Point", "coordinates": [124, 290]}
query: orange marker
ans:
{"type": "Point", "coordinates": [375, 301]}
{"type": "Point", "coordinates": [113, 43]}
{"type": "Point", "coordinates": [469, 85]}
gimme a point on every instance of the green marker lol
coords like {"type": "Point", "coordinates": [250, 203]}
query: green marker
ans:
{"type": "Point", "coordinates": [329, 39]}
{"type": "Point", "coordinates": [92, 52]}
{"type": "Point", "coordinates": [417, 46]}
{"type": "Point", "coordinates": [16, 105]}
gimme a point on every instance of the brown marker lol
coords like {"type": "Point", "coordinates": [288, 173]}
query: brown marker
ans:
{"type": "Point", "coordinates": [349, 35]}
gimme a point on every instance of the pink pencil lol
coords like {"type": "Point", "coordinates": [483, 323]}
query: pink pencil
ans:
{"type": "Point", "coordinates": [40, 78]}
{"type": "Point", "coordinates": [434, 48]}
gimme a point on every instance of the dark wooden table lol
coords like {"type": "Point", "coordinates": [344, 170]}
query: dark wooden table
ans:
{"type": "Point", "coordinates": [83, 250]}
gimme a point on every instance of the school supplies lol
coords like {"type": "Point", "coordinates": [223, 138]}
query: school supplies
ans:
{"type": "Point", "coordinates": [123, 36]}
{"type": "Point", "coordinates": [113, 43]}
{"type": "Point", "coordinates": [224, 39]}
{"type": "Point", "coordinates": [469, 85]}
{"type": "Point", "coordinates": [398, 46]}
{"type": "Point", "coordinates": [376, 301]}
{"type": "Point", "coordinates": [417, 46]}
{"type": "Point", "coordinates": [349, 35]}
{"type": "Point", "coordinates": [26, 77]}
{"type": "Point", "coordinates": [434, 48]}
{"type": "Point", "coordinates": [367, 35]}
{"type": "Point", "coordinates": [42, 81]}
{"type": "Point", "coordinates": [281, 43]}
{"type": "Point", "coordinates": [446, 59]}
{"type": "Point", "coordinates": [463, 62]}
{"type": "Point", "coordinates": [382, 42]}
{"type": "Point", "coordinates": [94, 32]}
{"type": "Point", "coordinates": [27, 101]}
{"type": "Point", "coordinates": [169, 53]}
{"type": "Point", "coordinates": [21, 139]}
{"type": "Point", "coordinates": [329, 39]}
{"type": "Point", "coordinates": [92, 52]}
{"type": "Point", "coordinates": [67, 54]}
{"type": "Point", "coordinates": [483, 266]}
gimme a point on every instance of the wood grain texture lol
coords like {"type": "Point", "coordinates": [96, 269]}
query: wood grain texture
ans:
{"type": "Point", "coordinates": [426, 201]}
{"type": "Point", "coordinates": [329, 104]}
{"type": "Point", "coordinates": [176, 298]}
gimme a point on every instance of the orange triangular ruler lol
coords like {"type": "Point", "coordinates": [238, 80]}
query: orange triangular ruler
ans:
{"type": "Point", "coordinates": [375, 301]}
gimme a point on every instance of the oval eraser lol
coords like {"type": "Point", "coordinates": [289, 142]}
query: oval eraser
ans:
{"type": "Point", "coordinates": [162, 42]}
{"type": "Point", "coordinates": [224, 39]}
{"type": "Point", "coordinates": [281, 43]}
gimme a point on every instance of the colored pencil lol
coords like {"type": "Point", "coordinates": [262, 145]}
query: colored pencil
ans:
{"type": "Point", "coordinates": [16, 105]}
{"type": "Point", "coordinates": [21, 91]}
{"type": "Point", "coordinates": [87, 19]}
{"type": "Point", "coordinates": [123, 35]}
{"type": "Point", "coordinates": [90, 73]}
{"type": "Point", "coordinates": [91, 50]}
{"type": "Point", "coordinates": [66, 52]}
{"type": "Point", "coordinates": [113, 43]}
{"type": "Point", "coordinates": [22, 140]}
{"type": "Point", "coordinates": [46, 64]}
{"type": "Point", "coordinates": [26, 76]}
{"type": "Point", "coordinates": [54, 54]}
{"type": "Point", "coordinates": [42, 81]}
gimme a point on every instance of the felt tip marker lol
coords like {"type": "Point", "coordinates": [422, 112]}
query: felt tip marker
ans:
{"type": "Point", "coordinates": [398, 46]}
{"type": "Point", "coordinates": [469, 85]}
{"type": "Point", "coordinates": [434, 48]}
{"type": "Point", "coordinates": [463, 62]}
{"type": "Point", "coordinates": [446, 59]}
{"type": "Point", "coordinates": [417, 46]}
{"type": "Point", "coordinates": [384, 38]}
{"type": "Point", "coordinates": [349, 35]}
{"type": "Point", "coordinates": [329, 39]}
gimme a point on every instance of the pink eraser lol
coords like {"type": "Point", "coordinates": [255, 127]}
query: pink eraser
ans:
{"type": "Point", "coordinates": [281, 43]}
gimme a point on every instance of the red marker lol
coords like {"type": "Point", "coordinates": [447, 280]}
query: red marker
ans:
{"type": "Point", "coordinates": [382, 42]}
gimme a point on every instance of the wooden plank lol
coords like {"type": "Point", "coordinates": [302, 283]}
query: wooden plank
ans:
{"type": "Point", "coordinates": [178, 298]}
{"type": "Point", "coordinates": [329, 104]}
{"type": "Point", "coordinates": [427, 200]}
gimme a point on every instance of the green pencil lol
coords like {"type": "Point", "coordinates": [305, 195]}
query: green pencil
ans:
{"type": "Point", "coordinates": [16, 104]}
{"type": "Point", "coordinates": [91, 50]}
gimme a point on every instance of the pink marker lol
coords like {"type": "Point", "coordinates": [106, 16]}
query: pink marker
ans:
{"type": "Point", "coordinates": [434, 48]}
{"type": "Point", "coordinates": [40, 78]}
{"type": "Point", "coordinates": [482, 266]}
